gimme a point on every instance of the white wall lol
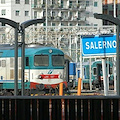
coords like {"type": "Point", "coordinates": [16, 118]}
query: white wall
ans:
{"type": "Point", "coordinates": [93, 9]}
{"type": "Point", "coordinates": [11, 8]}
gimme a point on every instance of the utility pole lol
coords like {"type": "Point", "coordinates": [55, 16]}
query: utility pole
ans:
{"type": "Point", "coordinates": [23, 26]}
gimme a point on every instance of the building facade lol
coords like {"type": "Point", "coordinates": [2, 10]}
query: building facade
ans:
{"type": "Point", "coordinates": [68, 12]}
{"type": "Point", "coordinates": [111, 7]}
{"type": "Point", "coordinates": [59, 12]}
{"type": "Point", "coordinates": [17, 10]}
{"type": "Point", "coordinates": [75, 18]}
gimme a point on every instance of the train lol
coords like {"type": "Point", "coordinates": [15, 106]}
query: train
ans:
{"type": "Point", "coordinates": [96, 74]}
{"type": "Point", "coordinates": [44, 69]}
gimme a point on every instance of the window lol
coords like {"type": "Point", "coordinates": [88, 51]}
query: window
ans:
{"type": "Point", "coordinates": [1, 53]}
{"type": "Point", "coordinates": [2, 1]}
{"type": "Point", "coordinates": [3, 12]}
{"type": "Point", "coordinates": [17, 2]}
{"type": "Point", "coordinates": [95, 4]}
{"type": "Point", "coordinates": [19, 74]}
{"type": "Point", "coordinates": [3, 24]}
{"type": "Point", "coordinates": [53, 24]}
{"type": "Point", "coordinates": [44, 13]}
{"type": "Point", "coordinates": [19, 62]}
{"type": "Point", "coordinates": [57, 60]}
{"type": "Point", "coordinates": [26, 1]}
{"type": "Point", "coordinates": [62, 24]}
{"type": "Point", "coordinates": [70, 3]}
{"type": "Point", "coordinates": [35, 14]}
{"type": "Point", "coordinates": [111, 71]}
{"type": "Point", "coordinates": [94, 71]}
{"type": "Point", "coordinates": [111, 12]}
{"type": "Point", "coordinates": [53, 1]}
{"type": "Point", "coordinates": [87, 24]}
{"type": "Point", "coordinates": [11, 62]}
{"type": "Point", "coordinates": [26, 13]}
{"type": "Point", "coordinates": [53, 13]}
{"type": "Point", "coordinates": [3, 63]}
{"type": "Point", "coordinates": [11, 74]}
{"type": "Point", "coordinates": [27, 61]}
{"type": "Point", "coordinates": [95, 24]}
{"type": "Point", "coordinates": [118, 12]}
{"type": "Point", "coordinates": [41, 60]}
{"type": "Point", "coordinates": [87, 3]}
{"type": "Point", "coordinates": [17, 13]}
{"type": "Point", "coordinates": [79, 24]}
{"type": "Point", "coordinates": [44, 24]}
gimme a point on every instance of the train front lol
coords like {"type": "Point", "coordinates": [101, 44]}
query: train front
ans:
{"type": "Point", "coordinates": [45, 68]}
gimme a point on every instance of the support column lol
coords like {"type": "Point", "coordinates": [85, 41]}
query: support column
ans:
{"type": "Point", "coordinates": [118, 61]}
{"type": "Point", "coordinates": [104, 77]}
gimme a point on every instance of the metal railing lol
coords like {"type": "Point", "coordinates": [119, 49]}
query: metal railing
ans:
{"type": "Point", "coordinates": [66, 38]}
{"type": "Point", "coordinates": [60, 108]}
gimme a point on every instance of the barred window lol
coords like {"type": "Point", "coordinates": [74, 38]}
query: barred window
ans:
{"type": "Point", "coordinates": [11, 74]}
{"type": "Point", "coordinates": [26, 13]}
{"type": "Point", "coordinates": [17, 2]}
{"type": "Point", "coordinates": [0, 63]}
{"type": "Point", "coordinates": [12, 62]}
{"type": "Point", "coordinates": [2, 1]}
{"type": "Point", "coordinates": [3, 12]}
{"type": "Point", "coordinates": [3, 63]}
{"type": "Point", "coordinates": [26, 1]}
{"type": "Point", "coordinates": [17, 13]}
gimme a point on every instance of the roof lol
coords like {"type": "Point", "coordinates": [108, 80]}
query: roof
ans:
{"type": "Point", "coordinates": [7, 50]}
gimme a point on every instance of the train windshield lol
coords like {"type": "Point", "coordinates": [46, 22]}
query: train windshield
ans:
{"type": "Point", "coordinates": [94, 71]}
{"type": "Point", "coordinates": [41, 60]}
{"type": "Point", "coordinates": [57, 60]}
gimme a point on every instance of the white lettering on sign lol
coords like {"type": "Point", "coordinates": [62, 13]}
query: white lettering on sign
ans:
{"type": "Point", "coordinates": [100, 44]}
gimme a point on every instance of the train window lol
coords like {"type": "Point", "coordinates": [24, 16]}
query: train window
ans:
{"type": "Point", "coordinates": [27, 61]}
{"type": "Point", "coordinates": [19, 62]}
{"type": "Point", "coordinates": [111, 70]}
{"type": "Point", "coordinates": [57, 60]}
{"type": "Point", "coordinates": [19, 74]}
{"type": "Point", "coordinates": [11, 74]}
{"type": "Point", "coordinates": [3, 63]}
{"type": "Point", "coordinates": [12, 62]}
{"type": "Point", "coordinates": [1, 53]}
{"type": "Point", "coordinates": [94, 71]}
{"type": "Point", "coordinates": [41, 60]}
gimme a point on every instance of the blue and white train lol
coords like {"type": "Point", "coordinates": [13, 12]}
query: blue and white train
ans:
{"type": "Point", "coordinates": [44, 68]}
{"type": "Point", "coordinates": [96, 74]}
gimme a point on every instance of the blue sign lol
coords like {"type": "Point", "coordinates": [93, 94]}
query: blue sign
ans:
{"type": "Point", "coordinates": [99, 45]}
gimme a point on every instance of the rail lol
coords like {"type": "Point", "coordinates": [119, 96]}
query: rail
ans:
{"type": "Point", "coordinates": [59, 108]}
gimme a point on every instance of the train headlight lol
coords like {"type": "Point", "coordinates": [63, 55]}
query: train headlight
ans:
{"type": "Point", "coordinates": [39, 77]}
{"type": "Point", "coordinates": [60, 76]}
{"type": "Point", "coordinates": [50, 51]}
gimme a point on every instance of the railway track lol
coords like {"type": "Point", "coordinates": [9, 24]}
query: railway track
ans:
{"type": "Point", "coordinates": [83, 92]}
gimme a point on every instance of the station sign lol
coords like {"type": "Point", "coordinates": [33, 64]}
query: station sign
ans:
{"type": "Point", "coordinates": [99, 45]}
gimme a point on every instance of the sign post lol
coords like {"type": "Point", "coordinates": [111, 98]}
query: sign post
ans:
{"type": "Point", "coordinates": [100, 46]}
{"type": "Point", "coordinates": [115, 21]}
{"type": "Point", "coordinates": [104, 76]}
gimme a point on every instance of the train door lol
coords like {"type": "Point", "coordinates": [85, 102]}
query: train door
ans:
{"type": "Point", "coordinates": [100, 74]}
